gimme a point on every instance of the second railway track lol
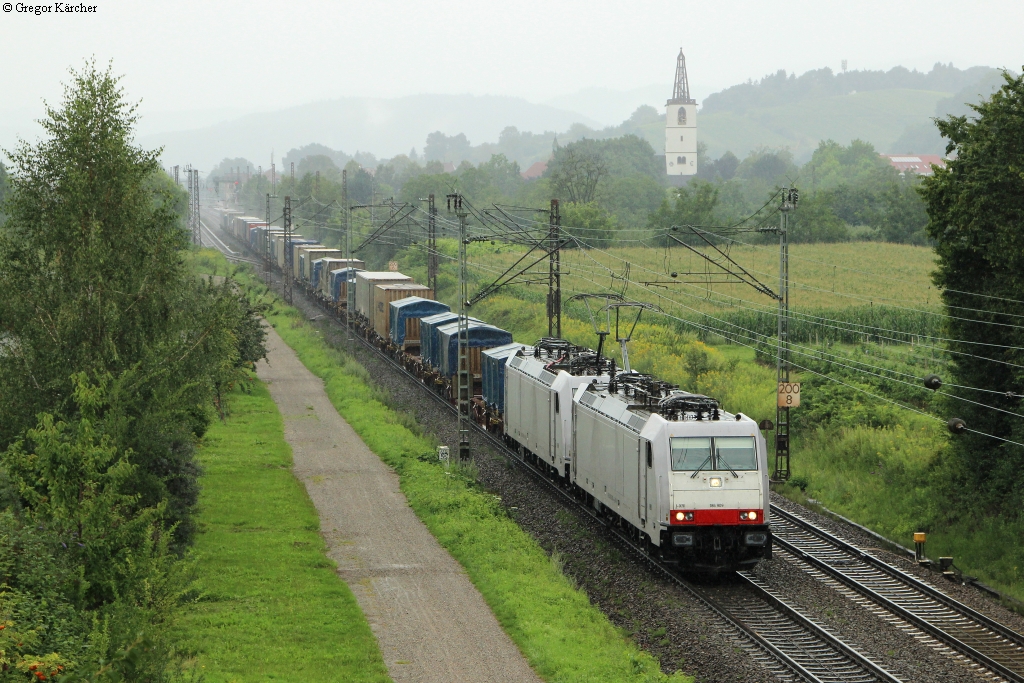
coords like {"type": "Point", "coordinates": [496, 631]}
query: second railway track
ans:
{"type": "Point", "coordinates": [953, 624]}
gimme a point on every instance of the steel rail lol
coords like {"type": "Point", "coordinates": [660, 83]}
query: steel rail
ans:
{"type": "Point", "coordinates": [814, 662]}
{"type": "Point", "coordinates": [993, 645]}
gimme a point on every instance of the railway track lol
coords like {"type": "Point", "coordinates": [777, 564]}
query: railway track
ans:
{"type": "Point", "coordinates": [949, 623]}
{"type": "Point", "coordinates": [780, 637]}
{"type": "Point", "coordinates": [776, 634]}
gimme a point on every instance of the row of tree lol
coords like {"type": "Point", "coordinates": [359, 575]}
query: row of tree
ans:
{"type": "Point", "coordinates": [617, 188]}
{"type": "Point", "coordinates": [113, 357]}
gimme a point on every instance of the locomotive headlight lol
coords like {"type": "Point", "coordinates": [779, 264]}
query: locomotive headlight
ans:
{"type": "Point", "coordinates": [749, 516]}
{"type": "Point", "coordinates": [680, 516]}
{"type": "Point", "coordinates": [716, 482]}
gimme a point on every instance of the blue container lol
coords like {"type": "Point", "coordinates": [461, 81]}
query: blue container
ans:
{"type": "Point", "coordinates": [314, 271]}
{"type": "Point", "coordinates": [428, 327]}
{"type": "Point", "coordinates": [492, 370]}
{"type": "Point", "coordinates": [412, 307]}
{"type": "Point", "coordinates": [338, 279]}
{"type": "Point", "coordinates": [479, 335]}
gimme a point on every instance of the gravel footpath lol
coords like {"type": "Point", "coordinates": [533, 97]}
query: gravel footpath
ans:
{"type": "Point", "coordinates": [431, 622]}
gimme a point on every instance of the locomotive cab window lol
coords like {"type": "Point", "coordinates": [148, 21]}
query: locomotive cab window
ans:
{"type": "Point", "coordinates": [735, 452]}
{"type": "Point", "coordinates": [690, 453]}
{"type": "Point", "coordinates": [650, 455]}
{"type": "Point", "coordinates": [556, 403]}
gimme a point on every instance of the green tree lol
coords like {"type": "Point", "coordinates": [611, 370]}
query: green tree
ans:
{"type": "Point", "coordinates": [4, 189]}
{"type": "Point", "coordinates": [593, 225]}
{"type": "Point", "coordinates": [816, 221]}
{"type": "Point", "coordinates": [904, 214]}
{"type": "Point", "coordinates": [691, 205]}
{"type": "Point", "coordinates": [576, 170]}
{"type": "Point", "coordinates": [976, 217]}
{"type": "Point", "coordinates": [94, 282]}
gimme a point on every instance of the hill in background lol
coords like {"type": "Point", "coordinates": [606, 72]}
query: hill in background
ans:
{"type": "Point", "coordinates": [892, 110]}
{"type": "Point", "coordinates": [382, 126]}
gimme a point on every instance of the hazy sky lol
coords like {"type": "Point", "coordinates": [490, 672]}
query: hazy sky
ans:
{"type": "Point", "coordinates": [256, 55]}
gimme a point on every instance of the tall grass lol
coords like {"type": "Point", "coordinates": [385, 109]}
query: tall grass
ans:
{"type": "Point", "coordinates": [272, 606]}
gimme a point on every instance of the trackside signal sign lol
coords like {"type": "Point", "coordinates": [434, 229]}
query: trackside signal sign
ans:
{"type": "Point", "coordinates": [789, 395]}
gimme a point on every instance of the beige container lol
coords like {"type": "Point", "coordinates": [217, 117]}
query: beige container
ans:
{"type": "Point", "coordinates": [297, 251]}
{"type": "Point", "coordinates": [314, 255]}
{"type": "Point", "coordinates": [335, 264]}
{"type": "Point", "coordinates": [383, 295]}
{"type": "Point", "coordinates": [366, 281]}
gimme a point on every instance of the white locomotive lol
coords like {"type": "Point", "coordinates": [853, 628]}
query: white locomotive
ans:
{"type": "Point", "coordinates": [681, 475]}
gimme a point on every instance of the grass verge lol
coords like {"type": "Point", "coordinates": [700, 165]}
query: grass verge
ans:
{"type": "Point", "coordinates": [272, 606]}
{"type": "Point", "coordinates": [564, 637]}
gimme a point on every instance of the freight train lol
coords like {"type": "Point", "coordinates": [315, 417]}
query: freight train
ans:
{"type": "Point", "coordinates": [683, 477]}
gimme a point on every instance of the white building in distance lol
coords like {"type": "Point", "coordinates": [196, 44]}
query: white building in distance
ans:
{"type": "Point", "coordinates": [681, 125]}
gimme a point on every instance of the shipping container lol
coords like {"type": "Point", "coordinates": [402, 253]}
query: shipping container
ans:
{"type": "Point", "coordinates": [238, 226]}
{"type": "Point", "coordinates": [383, 295]}
{"type": "Point", "coordinates": [428, 328]}
{"type": "Point", "coordinates": [306, 274]}
{"type": "Point", "coordinates": [404, 328]}
{"type": "Point", "coordinates": [492, 373]}
{"type": "Point", "coordinates": [332, 264]}
{"type": "Point", "coordinates": [340, 281]}
{"type": "Point", "coordinates": [299, 249]}
{"type": "Point", "coordinates": [227, 220]}
{"type": "Point", "coordinates": [366, 280]}
{"type": "Point", "coordinates": [278, 247]}
{"type": "Point", "coordinates": [480, 336]}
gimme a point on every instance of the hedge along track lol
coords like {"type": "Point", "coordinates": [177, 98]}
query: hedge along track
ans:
{"type": "Point", "coordinates": [948, 625]}
{"type": "Point", "coordinates": [772, 632]}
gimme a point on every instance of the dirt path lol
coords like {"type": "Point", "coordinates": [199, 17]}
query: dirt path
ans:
{"type": "Point", "coordinates": [431, 622]}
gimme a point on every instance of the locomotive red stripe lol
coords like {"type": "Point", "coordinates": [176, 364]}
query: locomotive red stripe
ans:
{"type": "Point", "coordinates": [717, 516]}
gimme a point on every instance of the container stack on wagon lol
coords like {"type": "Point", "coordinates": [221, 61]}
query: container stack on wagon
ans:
{"type": "Point", "coordinates": [404, 327]}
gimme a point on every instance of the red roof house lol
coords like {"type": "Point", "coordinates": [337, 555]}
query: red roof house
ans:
{"type": "Point", "coordinates": [921, 164]}
{"type": "Point", "coordinates": [535, 171]}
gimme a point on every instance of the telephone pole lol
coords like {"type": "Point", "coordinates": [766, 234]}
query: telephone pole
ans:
{"type": "Point", "coordinates": [286, 216]}
{"type": "Point", "coordinates": [554, 272]}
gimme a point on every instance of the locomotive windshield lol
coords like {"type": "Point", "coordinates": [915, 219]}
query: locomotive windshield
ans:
{"type": "Point", "coordinates": [735, 453]}
{"type": "Point", "coordinates": [690, 454]}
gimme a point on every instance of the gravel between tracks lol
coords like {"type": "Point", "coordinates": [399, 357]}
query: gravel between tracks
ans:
{"type": "Point", "coordinates": [660, 616]}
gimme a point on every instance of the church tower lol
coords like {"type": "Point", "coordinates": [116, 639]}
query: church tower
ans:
{"type": "Point", "coordinates": [681, 125]}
